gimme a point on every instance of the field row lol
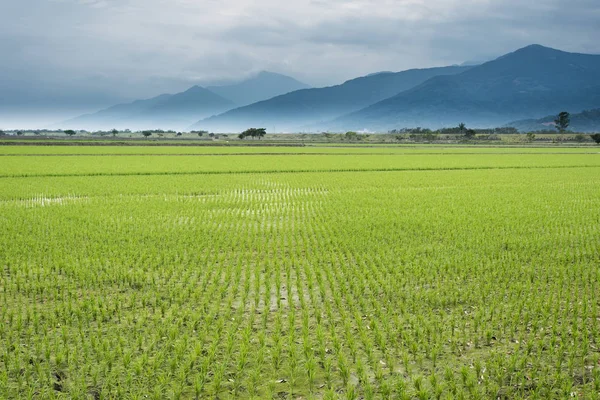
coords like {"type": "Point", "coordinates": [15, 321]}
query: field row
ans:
{"type": "Point", "coordinates": [142, 165]}
{"type": "Point", "coordinates": [310, 149]}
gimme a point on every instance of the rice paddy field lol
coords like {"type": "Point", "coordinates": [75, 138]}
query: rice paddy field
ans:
{"type": "Point", "coordinates": [299, 272]}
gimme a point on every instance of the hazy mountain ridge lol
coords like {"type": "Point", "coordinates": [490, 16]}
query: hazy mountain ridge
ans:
{"type": "Point", "coordinates": [309, 106]}
{"type": "Point", "coordinates": [531, 82]}
{"type": "Point", "coordinates": [168, 111]}
{"type": "Point", "coordinates": [527, 84]}
{"type": "Point", "coordinates": [262, 86]}
{"type": "Point", "coordinates": [178, 111]}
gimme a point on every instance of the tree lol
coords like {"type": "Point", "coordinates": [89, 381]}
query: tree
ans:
{"type": "Point", "coordinates": [351, 135]}
{"type": "Point", "coordinates": [596, 137]}
{"type": "Point", "coordinates": [430, 136]}
{"type": "Point", "coordinates": [114, 132]}
{"type": "Point", "coordinates": [147, 133]}
{"type": "Point", "coordinates": [530, 136]}
{"type": "Point", "coordinates": [253, 132]}
{"type": "Point", "coordinates": [462, 127]}
{"type": "Point", "coordinates": [70, 132]}
{"type": "Point", "coordinates": [470, 134]}
{"type": "Point", "coordinates": [562, 121]}
{"type": "Point", "coordinates": [19, 133]}
{"type": "Point", "coordinates": [2, 132]}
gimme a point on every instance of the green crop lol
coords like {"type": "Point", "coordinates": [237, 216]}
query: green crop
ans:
{"type": "Point", "coordinates": [412, 276]}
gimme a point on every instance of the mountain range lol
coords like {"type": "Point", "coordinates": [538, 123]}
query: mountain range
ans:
{"type": "Point", "coordinates": [532, 82]}
{"type": "Point", "coordinates": [180, 110]}
{"type": "Point", "coordinates": [527, 84]}
{"type": "Point", "coordinates": [295, 110]}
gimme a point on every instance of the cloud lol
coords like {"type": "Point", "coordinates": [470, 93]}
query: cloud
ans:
{"type": "Point", "coordinates": [119, 49]}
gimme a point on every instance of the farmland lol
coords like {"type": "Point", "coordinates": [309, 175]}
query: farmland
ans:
{"type": "Point", "coordinates": [299, 272]}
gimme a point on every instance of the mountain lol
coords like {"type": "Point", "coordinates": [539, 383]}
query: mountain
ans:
{"type": "Point", "coordinates": [586, 121]}
{"type": "Point", "coordinates": [167, 111]}
{"type": "Point", "coordinates": [257, 88]}
{"type": "Point", "coordinates": [305, 107]}
{"type": "Point", "coordinates": [530, 83]}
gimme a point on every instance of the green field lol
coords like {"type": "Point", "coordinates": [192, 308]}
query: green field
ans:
{"type": "Point", "coordinates": [299, 272]}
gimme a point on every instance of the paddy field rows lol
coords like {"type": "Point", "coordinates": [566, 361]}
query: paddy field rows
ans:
{"type": "Point", "coordinates": [382, 272]}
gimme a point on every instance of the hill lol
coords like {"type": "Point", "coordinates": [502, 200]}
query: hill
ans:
{"type": "Point", "coordinates": [178, 111]}
{"type": "Point", "coordinates": [586, 121]}
{"type": "Point", "coordinates": [530, 83]}
{"type": "Point", "coordinates": [260, 87]}
{"type": "Point", "coordinates": [310, 106]}
{"type": "Point", "coordinates": [167, 111]}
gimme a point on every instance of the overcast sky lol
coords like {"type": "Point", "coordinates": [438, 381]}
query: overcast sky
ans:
{"type": "Point", "coordinates": [103, 50]}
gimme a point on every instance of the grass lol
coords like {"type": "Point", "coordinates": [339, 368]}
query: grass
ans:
{"type": "Point", "coordinates": [399, 275]}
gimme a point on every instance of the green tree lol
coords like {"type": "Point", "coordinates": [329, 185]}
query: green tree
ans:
{"type": "Point", "coordinates": [430, 136]}
{"type": "Point", "coordinates": [530, 136]}
{"type": "Point", "coordinates": [351, 135]}
{"type": "Point", "coordinates": [253, 132]}
{"type": "Point", "coordinates": [470, 134]}
{"type": "Point", "coordinates": [70, 132]}
{"type": "Point", "coordinates": [114, 132]}
{"type": "Point", "coordinates": [147, 133]}
{"type": "Point", "coordinates": [562, 121]}
{"type": "Point", "coordinates": [596, 137]}
{"type": "Point", "coordinates": [19, 133]}
{"type": "Point", "coordinates": [462, 127]}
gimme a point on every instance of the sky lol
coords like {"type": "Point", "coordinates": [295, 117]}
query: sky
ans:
{"type": "Point", "coordinates": [80, 55]}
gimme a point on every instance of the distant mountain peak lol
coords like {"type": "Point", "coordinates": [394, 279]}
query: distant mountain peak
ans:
{"type": "Point", "coordinates": [258, 87]}
{"type": "Point", "coordinates": [536, 46]}
{"type": "Point", "coordinates": [530, 82]}
{"type": "Point", "coordinates": [265, 73]}
{"type": "Point", "coordinates": [195, 88]}
{"type": "Point", "coordinates": [535, 50]}
{"type": "Point", "coordinates": [379, 73]}
{"type": "Point", "coordinates": [164, 111]}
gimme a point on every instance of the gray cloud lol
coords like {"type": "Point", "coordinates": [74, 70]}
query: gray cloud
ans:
{"type": "Point", "coordinates": [88, 52]}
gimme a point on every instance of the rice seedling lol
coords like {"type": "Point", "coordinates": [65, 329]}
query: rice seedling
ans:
{"type": "Point", "coordinates": [350, 274]}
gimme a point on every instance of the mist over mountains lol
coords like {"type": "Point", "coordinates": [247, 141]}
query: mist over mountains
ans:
{"type": "Point", "coordinates": [531, 83]}
{"type": "Point", "coordinates": [263, 86]}
{"type": "Point", "coordinates": [165, 111]}
{"type": "Point", "coordinates": [178, 111]}
{"type": "Point", "coordinates": [300, 109]}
